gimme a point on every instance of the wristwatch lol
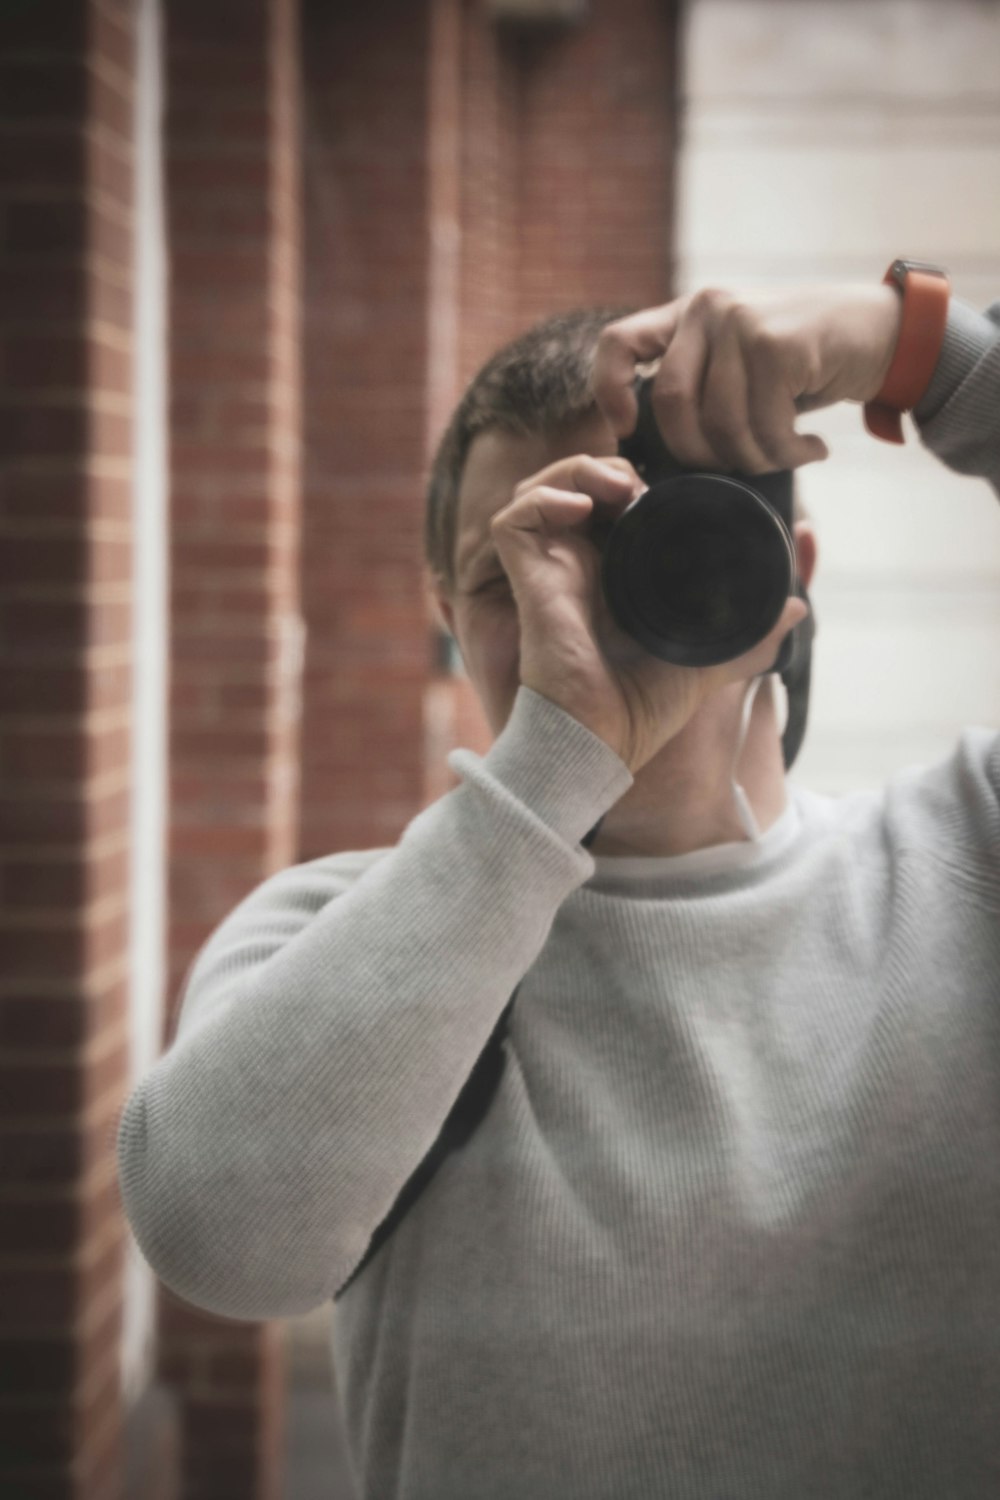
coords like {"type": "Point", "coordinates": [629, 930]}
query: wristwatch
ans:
{"type": "Point", "coordinates": [925, 290]}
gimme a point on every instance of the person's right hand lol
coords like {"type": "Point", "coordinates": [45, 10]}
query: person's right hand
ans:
{"type": "Point", "coordinates": [571, 649]}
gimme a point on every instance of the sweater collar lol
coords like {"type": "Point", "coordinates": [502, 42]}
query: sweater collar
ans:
{"type": "Point", "coordinates": [619, 872]}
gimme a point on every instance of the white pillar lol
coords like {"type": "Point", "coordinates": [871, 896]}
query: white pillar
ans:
{"type": "Point", "coordinates": [150, 621]}
{"type": "Point", "coordinates": [820, 139]}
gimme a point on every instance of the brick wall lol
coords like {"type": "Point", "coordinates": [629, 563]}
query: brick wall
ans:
{"type": "Point", "coordinates": [463, 180]}
{"type": "Point", "coordinates": [366, 381]}
{"type": "Point", "coordinates": [457, 189]}
{"type": "Point", "coordinates": [65, 688]}
{"type": "Point", "coordinates": [565, 199]}
{"type": "Point", "coordinates": [595, 111]}
{"type": "Point", "coordinates": [233, 213]}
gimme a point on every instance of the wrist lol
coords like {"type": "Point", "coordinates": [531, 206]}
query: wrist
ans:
{"type": "Point", "coordinates": [924, 293]}
{"type": "Point", "coordinates": [556, 765]}
{"type": "Point", "coordinates": [886, 319]}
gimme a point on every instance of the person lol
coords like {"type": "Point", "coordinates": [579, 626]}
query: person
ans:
{"type": "Point", "coordinates": [729, 1227]}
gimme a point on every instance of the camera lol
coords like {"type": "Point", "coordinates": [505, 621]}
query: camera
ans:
{"type": "Point", "coordinates": [698, 568]}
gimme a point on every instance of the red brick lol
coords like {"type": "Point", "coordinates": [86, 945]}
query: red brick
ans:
{"type": "Point", "coordinates": [33, 226]}
{"type": "Point", "coordinates": [52, 630]}
{"type": "Point", "coordinates": [52, 155]}
{"type": "Point", "coordinates": [111, 36]}
{"type": "Point", "coordinates": [54, 1155]}
{"type": "Point", "coordinates": [43, 360]}
{"type": "Point", "coordinates": [44, 822]}
{"type": "Point", "coordinates": [110, 101]}
{"type": "Point", "coordinates": [221, 841]}
{"type": "Point", "coordinates": [33, 1017]}
{"type": "Point", "coordinates": [111, 295]}
{"type": "Point", "coordinates": [38, 1299]}
{"type": "Point", "coordinates": [109, 167]}
{"type": "Point", "coordinates": [67, 884]}
{"type": "Point", "coordinates": [36, 1227]}
{"type": "Point", "coordinates": [52, 430]}
{"type": "Point", "coordinates": [44, 88]}
{"type": "Point", "coordinates": [44, 560]}
{"type": "Point", "coordinates": [33, 754]}
{"type": "Point", "coordinates": [34, 296]}
{"type": "Point", "coordinates": [71, 494]}
{"type": "Point", "coordinates": [34, 1366]}
{"type": "Point", "coordinates": [60, 1089]}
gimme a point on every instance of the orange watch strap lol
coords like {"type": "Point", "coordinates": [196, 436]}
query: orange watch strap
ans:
{"type": "Point", "coordinates": [925, 291]}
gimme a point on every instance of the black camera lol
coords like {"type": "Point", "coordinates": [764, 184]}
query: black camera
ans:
{"type": "Point", "coordinates": [698, 568]}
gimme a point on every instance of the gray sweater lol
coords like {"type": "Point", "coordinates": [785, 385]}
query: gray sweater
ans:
{"type": "Point", "coordinates": [731, 1227]}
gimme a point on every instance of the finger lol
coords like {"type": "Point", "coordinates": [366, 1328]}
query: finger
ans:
{"type": "Point", "coordinates": [725, 417]}
{"type": "Point", "coordinates": [602, 478]}
{"type": "Point", "coordinates": [632, 474]}
{"type": "Point", "coordinates": [676, 395]}
{"type": "Point", "coordinates": [543, 511]}
{"type": "Point", "coordinates": [762, 657]}
{"type": "Point", "coordinates": [623, 345]}
{"type": "Point", "coordinates": [772, 411]}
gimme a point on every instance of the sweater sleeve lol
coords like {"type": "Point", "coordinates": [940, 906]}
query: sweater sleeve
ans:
{"type": "Point", "coordinates": [959, 415]}
{"type": "Point", "coordinates": [330, 1022]}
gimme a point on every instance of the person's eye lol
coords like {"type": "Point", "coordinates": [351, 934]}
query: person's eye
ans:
{"type": "Point", "coordinates": [499, 583]}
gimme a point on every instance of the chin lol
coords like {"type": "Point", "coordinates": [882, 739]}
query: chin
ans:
{"type": "Point", "coordinates": [496, 709]}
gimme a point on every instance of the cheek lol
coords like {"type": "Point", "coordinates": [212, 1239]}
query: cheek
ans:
{"type": "Point", "coordinates": [491, 647]}
{"type": "Point", "coordinates": [503, 642]}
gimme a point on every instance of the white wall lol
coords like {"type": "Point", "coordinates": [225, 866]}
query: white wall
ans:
{"type": "Point", "coordinates": [820, 139]}
{"type": "Point", "coordinates": [149, 635]}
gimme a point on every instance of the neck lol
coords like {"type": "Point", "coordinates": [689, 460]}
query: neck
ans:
{"type": "Point", "coordinates": [682, 799]}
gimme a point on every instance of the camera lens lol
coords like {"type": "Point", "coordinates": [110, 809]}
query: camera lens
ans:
{"type": "Point", "coordinates": [698, 569]}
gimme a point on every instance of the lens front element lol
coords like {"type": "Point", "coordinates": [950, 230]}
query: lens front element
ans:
{"type": "Point", "coordinates": [698, 569]}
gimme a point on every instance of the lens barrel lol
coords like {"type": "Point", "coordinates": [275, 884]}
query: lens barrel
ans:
{"type": "Point", "coordinates": [698, 569]}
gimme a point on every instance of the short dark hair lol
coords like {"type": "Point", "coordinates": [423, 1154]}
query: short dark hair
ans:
{"type": "Point", "coordinates": [538, 383]}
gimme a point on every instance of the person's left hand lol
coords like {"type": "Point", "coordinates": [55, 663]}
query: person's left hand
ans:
{"type": "Point", "coordinates": [737, 368]}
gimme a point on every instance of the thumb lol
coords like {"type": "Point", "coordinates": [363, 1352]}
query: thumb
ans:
{"type": "Point", "coordinates": [806, 448]}
{"type": "Point", "coordinates": [637, 339]}
{"type": "Point", "coordinates": [762, 657]}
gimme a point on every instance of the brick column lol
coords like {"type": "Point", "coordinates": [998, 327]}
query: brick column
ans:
{"type": "Point", "coordinates": [232, 201]}
{"type": "Point", "coordinates": [567, 149]}
{"type": "Point", "coordinates": [595, 112]}
{"type": "Point", "coordinates": [368, 291]}
{"type": "Point", "coordinates": [65, 688]}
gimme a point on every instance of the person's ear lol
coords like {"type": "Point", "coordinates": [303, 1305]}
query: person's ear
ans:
{"type": "Point", "coordinates": [443, 607]}
{"type": "Point", "coordinates": [806, 550]}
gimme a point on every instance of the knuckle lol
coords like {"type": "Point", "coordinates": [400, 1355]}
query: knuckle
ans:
{"type": "Point", "coordinates": [671, 395]}
{"type": "Point", "coordinates": [748, 322]}
{"type": "Point", "coordinates": [772, 445]}
{"type": "Point", "coordinates": [717, 417]}
{"type": "Point", "coordinates": [622, 465]}
{"type": "Point", "coordinates": [612, 336]}
{"type": "Point", "coordinates": [710, 299]}
{"type": "Point", "coordinates": [765, 345]}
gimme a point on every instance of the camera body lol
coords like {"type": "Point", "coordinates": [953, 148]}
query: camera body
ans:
{"type": "Point", "coordinates": [698, 568]}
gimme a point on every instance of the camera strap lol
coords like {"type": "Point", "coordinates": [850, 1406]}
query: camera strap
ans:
{"type": "Point", "coordinates": [467, 1112]}
{"type": "Point", "coordinates": [744, 811]}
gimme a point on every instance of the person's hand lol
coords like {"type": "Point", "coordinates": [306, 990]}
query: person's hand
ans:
{"type": "Point", "coordinates": [571, 649]}
{"type": "Point", "coordinates": [736, 369]}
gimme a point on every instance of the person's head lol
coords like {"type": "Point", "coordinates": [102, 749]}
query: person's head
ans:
{"type": "Point", "coordinates": [530, 405]}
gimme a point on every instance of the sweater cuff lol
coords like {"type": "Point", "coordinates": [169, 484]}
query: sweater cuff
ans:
{"type": "Point", "coordinates": [552, 763]}
{"type": "Point", "coordinates": [968, 335]}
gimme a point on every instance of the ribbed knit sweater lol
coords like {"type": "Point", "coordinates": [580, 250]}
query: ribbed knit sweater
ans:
{"type": "Point", "coordinates": [730, 1229]}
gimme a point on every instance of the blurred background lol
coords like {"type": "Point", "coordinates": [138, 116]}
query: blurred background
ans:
{"type": "Point", "coordinates": [249, 254]}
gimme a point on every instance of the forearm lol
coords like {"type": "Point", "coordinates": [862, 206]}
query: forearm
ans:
{"type": "Point", "coordinates": [959, 416]}
{"type": "Point", "coordinates": [260, 1153]}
